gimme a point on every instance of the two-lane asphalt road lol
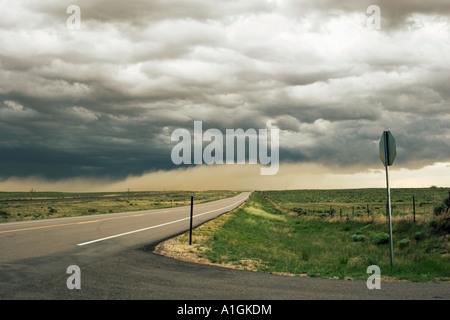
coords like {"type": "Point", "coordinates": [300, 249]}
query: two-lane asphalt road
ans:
{"type": "Point", "coordinates": [34, 250]}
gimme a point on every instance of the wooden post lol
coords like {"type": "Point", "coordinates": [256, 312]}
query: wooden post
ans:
{"type": "Point", "coordinates": [414, 209]}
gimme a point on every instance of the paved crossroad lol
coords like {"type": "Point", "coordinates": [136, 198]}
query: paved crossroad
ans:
{"type": "Point", "coordinates": [114, 253]}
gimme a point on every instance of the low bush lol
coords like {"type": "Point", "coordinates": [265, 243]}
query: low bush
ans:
{"type": "Point", "coordinates": [379, 238]}
{"type": "Point", "coordinates": [445, 226]}
{"type": "Point", "coordinates": [4, 214]}
{"type": "Point", "coordinates": [51, 210]}
{"type": "Point", "coordinates": [403, 243]}
{"type": "Point", "coordinates": [433, 224]}
{"type": "Point", "coordinates": [439, 209]}
{"type": "Point", "coordinates": [358, 238]}
{"type": "Point", "coordinates": [419, 235]}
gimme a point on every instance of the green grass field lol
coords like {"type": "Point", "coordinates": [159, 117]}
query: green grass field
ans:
{"type": "Point", "coordinates": [360, 202]}
{"type": "Point", "coordinates": [272, 239]}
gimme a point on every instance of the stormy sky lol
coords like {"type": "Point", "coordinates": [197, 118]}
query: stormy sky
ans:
{"type": "Point", "coordinates": [100, 102]}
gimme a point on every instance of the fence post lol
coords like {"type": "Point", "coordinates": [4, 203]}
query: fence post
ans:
{"type": "Point", "coordinates": [190, 227]}
{"type": "Point", "coordinates": [448, 206]}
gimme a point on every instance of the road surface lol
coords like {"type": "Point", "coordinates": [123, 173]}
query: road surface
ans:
{"type": "Point", "coordinates": [33, 250]}
{"type": "Point", "coordinates": [115, 255]}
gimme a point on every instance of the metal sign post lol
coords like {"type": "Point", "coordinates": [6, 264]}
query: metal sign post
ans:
{"type": "Point", "coordinates": [387, 156]}
{"type": "Point", "coordinates": [388, 190]}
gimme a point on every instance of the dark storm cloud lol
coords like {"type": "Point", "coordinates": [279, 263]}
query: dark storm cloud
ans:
{"type": "Point", "coordinates": [103, 100]}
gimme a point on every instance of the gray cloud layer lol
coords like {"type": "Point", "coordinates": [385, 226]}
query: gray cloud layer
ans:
{"type": "Point", "coordinates": [103, 100]}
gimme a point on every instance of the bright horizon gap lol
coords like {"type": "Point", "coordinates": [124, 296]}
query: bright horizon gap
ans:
{"type": "Point", "coordinates": [291, 176]}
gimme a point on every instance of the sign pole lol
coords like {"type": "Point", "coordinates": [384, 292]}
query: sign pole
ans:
{"type": "Point", "coordinates": [388, 191]}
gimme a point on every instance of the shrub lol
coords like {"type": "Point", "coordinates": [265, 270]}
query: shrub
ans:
{"type": "Point", "coordinates": [358, 238]}
{"type": "Point", "coordinates": [52, 210]}
{"type": "Point", "coordinates": [4, 214]}
{"type": "Point", "coordinates": [447, 202]}
{"type": "Point", "coordinates": [379, 238]}
{"type": "Point", "coordinates": [433, 224]}
{"type": "Point", "coordinates": [346, 227]}
{"type": "Point", "coordinates": [439, 209]}
{"type": "Point", "coordinates": [419, 235]}
{"type": "Point", "coordinates": [445, 226]}
{"type": "Point", "coordinates": [403, 243]}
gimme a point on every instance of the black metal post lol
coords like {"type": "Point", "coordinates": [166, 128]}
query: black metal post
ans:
{"type": "Point", "coordinates": [448, 206]}
{"type": "Point", "coordinates": [190, 227]}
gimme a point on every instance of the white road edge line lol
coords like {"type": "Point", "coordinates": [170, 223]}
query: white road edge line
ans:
{"type": "Point", "coordinates": [157, 226]}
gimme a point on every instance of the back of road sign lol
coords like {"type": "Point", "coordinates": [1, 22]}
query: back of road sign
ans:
{"type": "Point", "coordinates": [387, 140]}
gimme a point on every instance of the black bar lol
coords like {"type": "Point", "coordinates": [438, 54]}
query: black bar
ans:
{"type": "Point", "coordinates": [190, 227]}
{"type": "Point", "coordinates": [386, 143]}
{"type": "Point", "coordinates": [448, 206]}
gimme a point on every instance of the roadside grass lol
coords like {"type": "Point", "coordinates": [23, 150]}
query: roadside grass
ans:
{"type": "Point", "coordinates": [258, 236]}
{"type": "Point", "coordinates": [17, 206]}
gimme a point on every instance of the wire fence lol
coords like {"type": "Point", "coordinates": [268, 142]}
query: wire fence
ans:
{"type": "Point", "coordinates": [359, 210]}
{"type": "Point", "coordinates": [344, 204]}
